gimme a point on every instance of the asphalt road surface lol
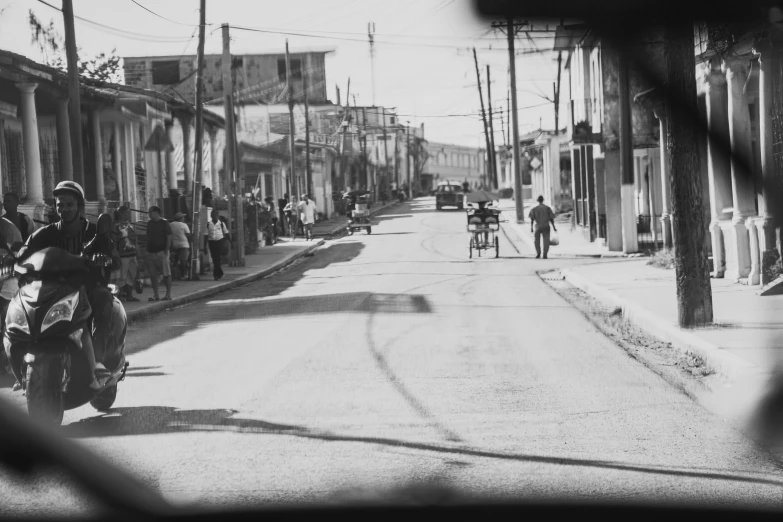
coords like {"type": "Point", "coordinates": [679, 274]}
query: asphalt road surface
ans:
{"type": "Point", "coordinates": [390, 359]}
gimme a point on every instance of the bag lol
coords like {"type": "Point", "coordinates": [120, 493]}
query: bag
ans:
{"type": "Point", "coordinates": [224, 246]}
{"type": "Point", "coordinates": [553, 239]}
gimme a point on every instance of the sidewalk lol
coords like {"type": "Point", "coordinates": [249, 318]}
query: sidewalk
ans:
{"type": "Point", "coordinates": [335, 224]}
{"type": "Point", "coordinates": [572, 242]}
{"type": "Point", "coordinates": [744, 346]}
{"type": "Point", "coordinates": [266, 260]}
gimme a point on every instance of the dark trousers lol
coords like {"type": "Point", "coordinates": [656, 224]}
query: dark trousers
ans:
{"type": "Point", "coordinates": [542, 232]}
{"type": "Point", "coordinates": [215, 252]}
{"type": "Point", "coordinates": [101, 302]}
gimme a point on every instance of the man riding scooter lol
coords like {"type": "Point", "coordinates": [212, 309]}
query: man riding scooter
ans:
{"type": "Point", "coordinates": [71, 233]}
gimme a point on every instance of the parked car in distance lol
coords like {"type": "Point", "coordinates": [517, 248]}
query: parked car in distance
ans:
{"type": "Point", "coordinates": [449, 194]}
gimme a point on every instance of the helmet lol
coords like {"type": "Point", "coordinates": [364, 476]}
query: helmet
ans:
{"type": "Point", "coordinates": [69, 187]}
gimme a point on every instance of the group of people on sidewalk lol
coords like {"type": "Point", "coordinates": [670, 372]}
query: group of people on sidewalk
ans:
{"type": "Point", "coordinates": [164, 238]}
{"type": "Point", "coordinates": [285, 222]}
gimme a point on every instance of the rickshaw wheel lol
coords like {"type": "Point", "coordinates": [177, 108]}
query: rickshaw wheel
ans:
{"type": "Point", "coordinates": [497, 247]}
{"type": "Point", "coordinates": [369, 230]}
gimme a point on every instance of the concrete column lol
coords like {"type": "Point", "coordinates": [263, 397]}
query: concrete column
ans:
{"type": "Point", "coordinates": [211, 181]}
{"type": "Point", "coordinates": [64, 152]}
{"type": "Point", "coordinates": [743, 191]}
{"type": "Point", "coordinates": [95, 122]}
{"type": "Point", "coordinates": [130, 167]}
{"type": "Point", "coordinates": [666, 204]}
{"type": "Point", "coordinates": [117, 162]}
{"type": "Point", "coordinates": [612, 195]}
{"type": "Point", "coordinates": [576, 185]}
{"type": "Point", "coordinates": [718, 164]}
{"type": "Point", "coordinates": [171, 160]}
{"type": "Point", "coordinates": [766, 236]}
{"type": "Point", "coordinates": [32, 147]}
{"type": "Point", "coordinates": [187, 151]}
{"type": "Point", "coordinates": [754, 275]}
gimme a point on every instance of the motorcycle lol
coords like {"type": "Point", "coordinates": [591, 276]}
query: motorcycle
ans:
{"type": "Point", "coordinates": [44, 327]}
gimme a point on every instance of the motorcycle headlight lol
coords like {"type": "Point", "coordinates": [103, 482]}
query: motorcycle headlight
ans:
{"type": "Point", "coordinates": [16, 318]}
{"type": "Point", "coordinates": [62, 310]}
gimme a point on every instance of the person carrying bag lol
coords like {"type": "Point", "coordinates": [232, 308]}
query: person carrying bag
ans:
{"type": "Point", "coordinates": [217, 237]}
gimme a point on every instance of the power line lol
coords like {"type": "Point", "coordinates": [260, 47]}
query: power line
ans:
{"type": "Point", "coordinates": [123, 33]}
{"type": "Point", "coordinates": [163, 17]}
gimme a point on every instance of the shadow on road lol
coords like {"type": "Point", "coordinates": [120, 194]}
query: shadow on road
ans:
{"type": "Point", "coordinates": [150, 420]}
{"type": "Point", "coordinates": [254, 308]}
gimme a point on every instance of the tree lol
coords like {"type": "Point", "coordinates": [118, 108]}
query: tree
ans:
{"type": "Point", "coordinates": [694, 292]}
{"type": "Point", "coordinates": [101, 68]}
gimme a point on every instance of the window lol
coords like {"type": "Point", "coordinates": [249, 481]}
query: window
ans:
{"type": "Point", "coordinates": [165, 72]}
{"type": "Point", "coordinates": [296, 69]}
{"type": "Point", "coordinates": [392, 120]}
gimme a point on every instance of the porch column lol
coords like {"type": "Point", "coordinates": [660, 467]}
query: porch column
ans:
{"type": "Point", "coordinates": [95, 122]}
{"type": "Point", "coordinates": [130, 167]}
{"type": "Point", "coordinates": [117, 161]}
{"type": "Point", "coordinates": [64, 152]}
{"type": "Point", "coordinates": [766, 232]}
{"type": "Point", "coordinates": [576, 185]}
{"type": "Point", "coordinates": [187, 152]}
{"type": "Point", "coordinates": [718, 164]}
{"type": "Point", "coordinates": [171, 160]}
{"type": "Point", "coordinates": [666, 206]}
{"type": "Point", "coordinates": [32, 150]}
{"type": "Point", "coordinates": [743, 191]}
{"type": "Point", "coordinates": [214, 177]}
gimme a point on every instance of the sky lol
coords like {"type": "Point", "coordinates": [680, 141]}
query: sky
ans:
{"type": "Point", "coordinates": [423, 57]}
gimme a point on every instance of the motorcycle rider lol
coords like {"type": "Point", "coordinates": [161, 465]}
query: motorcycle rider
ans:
{"type": "Point", "coordinates": [71, 233]}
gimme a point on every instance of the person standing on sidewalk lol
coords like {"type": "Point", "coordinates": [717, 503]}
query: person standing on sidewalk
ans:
{"type": "Point", "coordinates": [158, 248]}
{"type": "Point", "coordinates": [281, 204]}
{"type": "Point", "coordinates": [22, 221]}
{"type": "Point", "coordinates": [216, 235]}
{"type": "Point", "coordinates": [542, 215]}
{"type": "Point", "coordinates": [125, 241]}
{"type": "Point", "coordinates": [307, 212]}
{"type": "Point", "coordinates": [180, 242]}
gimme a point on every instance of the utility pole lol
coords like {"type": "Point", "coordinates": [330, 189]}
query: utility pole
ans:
{"type": "Point", "coordinates": [483, 114]}
{"type": "Point", "coordinates": [308, 171]}
{"type": "Point", "coordinates": [627, 187]}
{"type": "Point", "coordinates": [385, 147]}
{"type": "Point", "coordinates": [694, 290]}
{"type": "Point", "coordinates": [515, 125]}
{"type": "Point", "coordinates": [195, 258]}
{"type": "Point", "coordinates": [371, 36]}
{"type": "Point", "coordinates": [557, 93]}
{"type": "Point", "coordinates": [229, 155]}
{"type": "Point", "coordinates": [492, 132]}
{"type": "Point", "coordinates": [74, 101]}
{"type": "Point", "coordinates": [292, 141]}
{"type": "Point", "coordinates": [408, 156]}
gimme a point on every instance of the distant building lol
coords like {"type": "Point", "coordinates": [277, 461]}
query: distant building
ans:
{"type": "Point", "coordinates": [256, 76]}
{"type": "Point", "coordinates": [457, 163]}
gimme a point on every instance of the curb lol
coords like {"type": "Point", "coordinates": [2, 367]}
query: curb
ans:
{"type": "Point", "coordinates": [723, 362]}
{"type": "Point", "coordinates": [141, 314]}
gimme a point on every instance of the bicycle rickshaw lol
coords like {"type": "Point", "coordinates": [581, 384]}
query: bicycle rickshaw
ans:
{"type": "Point", "coordinates": [482, 223]}
{"type": "Point", "coordinates": [358, 207]}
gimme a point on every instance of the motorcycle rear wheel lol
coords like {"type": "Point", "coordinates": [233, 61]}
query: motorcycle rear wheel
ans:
{"type": "Point", "coordinates": [105, 400]}
{"type": "Point", "coordinates": [43, 390]}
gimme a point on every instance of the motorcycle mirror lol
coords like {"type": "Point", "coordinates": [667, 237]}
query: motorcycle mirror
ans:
{"type": "Point", "coordinates": [104, 224]}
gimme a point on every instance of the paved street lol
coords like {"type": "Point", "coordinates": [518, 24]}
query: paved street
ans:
{"type": "Point", "coordinates": [393, 358]}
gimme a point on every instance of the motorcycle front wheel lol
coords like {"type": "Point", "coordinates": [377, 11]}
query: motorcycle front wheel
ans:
{"type": "Point", "coordinates": [43, 389]}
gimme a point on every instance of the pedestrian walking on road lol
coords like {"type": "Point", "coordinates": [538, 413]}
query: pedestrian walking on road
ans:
{"type": "Point", "coordinates": [216, 235]}
{"type": "Point", "coordinates": [124, 235]}
{"type": "Point", "coordinates": [307, 212]}
{"type": "Point", "coordinates": [542, 216]}
{"type": "Point", "coordinates": [158, 248]}
{"type": "Point", "coordinates": [180, 243]}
